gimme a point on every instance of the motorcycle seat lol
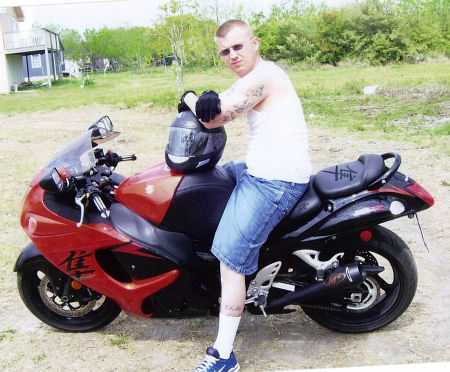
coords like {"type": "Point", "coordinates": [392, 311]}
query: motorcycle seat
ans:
{"type": "Point", "coordinates": [349, 178]}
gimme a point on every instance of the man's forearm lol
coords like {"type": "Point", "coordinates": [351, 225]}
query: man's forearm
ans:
{"type": "Point", "coordinates": [191, 100]}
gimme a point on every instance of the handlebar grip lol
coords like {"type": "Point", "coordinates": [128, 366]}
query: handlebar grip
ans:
{"type": "Point", "coordinates": [131, 157]}
{"type": "Point", "coordinates": [100, 205]}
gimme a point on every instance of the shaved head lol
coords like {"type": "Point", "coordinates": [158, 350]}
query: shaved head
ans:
{"type": "Point", "coordinates": [226, 27]}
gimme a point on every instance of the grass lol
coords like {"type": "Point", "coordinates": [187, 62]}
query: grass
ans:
{"type": "Point", "coordinates": [332, 92]}
{"type": "Point", "coordinates": [126, 90]}
{"type": "Point", "coordinates": [6, 332]}
{"type": "Point", "coordinates": [121, 340]}
{"type": "Point", "coordinates": [412, 102]}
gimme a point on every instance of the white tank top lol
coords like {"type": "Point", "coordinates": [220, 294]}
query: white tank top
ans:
{"type": "Point", "coordinates": [278, 140]}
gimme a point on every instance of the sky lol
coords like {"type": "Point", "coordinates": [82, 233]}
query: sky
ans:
{"type": "Point", "coordinates": [85, 14]}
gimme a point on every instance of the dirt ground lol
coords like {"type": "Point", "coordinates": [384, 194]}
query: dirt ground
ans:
{"type": "Point", "coordinates": [278, 343]}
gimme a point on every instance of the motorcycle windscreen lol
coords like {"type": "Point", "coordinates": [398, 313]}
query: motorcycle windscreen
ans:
{"type": "Point", "coordinates": [77, 157]}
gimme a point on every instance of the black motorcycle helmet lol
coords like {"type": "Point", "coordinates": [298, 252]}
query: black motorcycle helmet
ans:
{"type": "Point", "coordinates": [191, 147]}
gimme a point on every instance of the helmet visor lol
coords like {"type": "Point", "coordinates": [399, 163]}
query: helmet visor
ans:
{"type": "Point", "coordinates": [186, 142]}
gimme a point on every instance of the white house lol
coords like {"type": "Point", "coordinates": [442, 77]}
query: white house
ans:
{"type": "Point", "coordinates": [27, 55]}
{"type": "Point", "coordinates": [10, 65]}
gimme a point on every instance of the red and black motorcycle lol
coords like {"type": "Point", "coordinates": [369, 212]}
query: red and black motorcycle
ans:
{"type": "Point", "coordinates": [103, 243]}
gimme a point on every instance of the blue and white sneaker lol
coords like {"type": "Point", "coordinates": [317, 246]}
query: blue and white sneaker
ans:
{"type": "Point", "coordinates": [213, 363]}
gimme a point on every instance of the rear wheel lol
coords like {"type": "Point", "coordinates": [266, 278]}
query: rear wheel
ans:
{"type": "Point", "coordinates": [379, 300]}
{"type": "Point", "coordinates": [50, 296]}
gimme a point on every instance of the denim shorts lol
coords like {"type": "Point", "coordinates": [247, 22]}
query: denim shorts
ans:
{"type": "Point", "coordinates": [255, 207]}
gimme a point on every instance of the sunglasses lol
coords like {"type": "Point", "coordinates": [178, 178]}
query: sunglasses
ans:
{"type": "Point", "coordinates": [236, 47]}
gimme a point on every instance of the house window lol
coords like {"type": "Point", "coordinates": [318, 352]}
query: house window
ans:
{"type": "Point", "coordinates": [36, 61]}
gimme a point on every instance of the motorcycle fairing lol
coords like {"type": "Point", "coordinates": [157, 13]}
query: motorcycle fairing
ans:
{"type": "Point", "coordinates": [173, 246]}
{"type": "Point", "coordinates": [180, 295]}
{"type": "Point", "coordinates": [130, 296]}
{"type": "Point", "coordinates": [358, 211]}
{"type": "Point", "coordinates": [150, 192]}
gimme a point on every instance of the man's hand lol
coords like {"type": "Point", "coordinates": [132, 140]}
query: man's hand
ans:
{"type": "Point", "coordinates": [208, 106]}
{"type": "Point", "coordinates": [182, 106]}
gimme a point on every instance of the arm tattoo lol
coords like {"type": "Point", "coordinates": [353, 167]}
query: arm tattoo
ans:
{"type": "Point", "coordinates": [255, 92]}
{"type": "Point", "coordinates": [240, 107]}
{"type": "Point", "coordinates": [228, 116]}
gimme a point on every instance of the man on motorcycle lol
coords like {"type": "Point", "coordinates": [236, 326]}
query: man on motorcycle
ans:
{"type": "Point", "coordinates": [269, 182]}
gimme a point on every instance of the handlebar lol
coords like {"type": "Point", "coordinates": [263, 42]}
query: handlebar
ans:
{"type": "Point", "coordinates": [91, 191]}
{"type": "Point", "coordinates": [131, 157]}
{"type": "Point", "coordinates": [111, 158]}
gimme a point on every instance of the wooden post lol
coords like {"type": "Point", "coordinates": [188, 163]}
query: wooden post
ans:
{"type": "Point", "coordinates": [53, 55]}
{"type": "Point", "coordinates": [47, 60]}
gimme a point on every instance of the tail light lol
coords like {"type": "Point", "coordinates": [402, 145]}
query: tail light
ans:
{"type": "Point", "coordinates": [419, 191]}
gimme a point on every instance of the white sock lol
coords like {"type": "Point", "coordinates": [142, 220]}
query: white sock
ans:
{"type": "Point", "coordinates": [228, 326]}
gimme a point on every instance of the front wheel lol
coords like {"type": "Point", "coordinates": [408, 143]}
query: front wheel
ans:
{"type": "Point", "coordinates": [50, 296]}
{"type": "Point", "coordinates": [383, 297]}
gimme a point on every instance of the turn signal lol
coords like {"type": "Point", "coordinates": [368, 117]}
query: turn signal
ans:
{"type": "Point", "coordinates": [76, 285]}
{"type": "Point", "coordinates": [32, 225]}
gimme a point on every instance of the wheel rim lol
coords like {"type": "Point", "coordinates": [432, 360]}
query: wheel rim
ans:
{"type": "Point", "coordinates": [63, 306]}
{"type": "Point", "coordinates": [381, 303]}
{"type": "Point", "coordinates": [83, 310]}
{"type": "Point", "coordinates": [371, 294]}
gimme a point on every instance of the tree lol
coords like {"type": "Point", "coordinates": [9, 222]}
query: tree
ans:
{"type": "Point", "coordinates": [429, 23]}
{"type": "Point", "coordinates": [219, 11]}
{"type": "Point", "coordinates": [188, 37]}
{"type": "Point", "coordinates": [124, 46]}
{"type": "Point", "coordinates": [87, 45]}
{"type": "Point", "coordinates": [289, 34]}
{"type": "Point", "coordinates": [72, 41]}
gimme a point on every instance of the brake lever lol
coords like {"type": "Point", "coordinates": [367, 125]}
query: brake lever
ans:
{"type": "Point", "coordinates": [78, 198]}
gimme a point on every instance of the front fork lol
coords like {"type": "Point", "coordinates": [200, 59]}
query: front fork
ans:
{"type": "Point", "coordinates": [68, 289]}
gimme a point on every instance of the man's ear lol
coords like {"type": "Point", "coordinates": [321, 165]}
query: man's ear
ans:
{"type": "Point", "coordinates": [255, 42]}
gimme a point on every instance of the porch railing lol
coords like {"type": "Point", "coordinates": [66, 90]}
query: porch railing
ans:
{"type": "Point", "coordinates": [30, 40]}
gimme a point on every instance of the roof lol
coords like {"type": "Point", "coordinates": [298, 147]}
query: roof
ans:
{"type": "Point", "coordinates": [19, 14]}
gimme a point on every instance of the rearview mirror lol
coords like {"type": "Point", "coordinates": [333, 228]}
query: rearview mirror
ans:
{"type": "Point", "coordinates": [104, 124]}
{"type": "Point", "coordinates": [102, 130]}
